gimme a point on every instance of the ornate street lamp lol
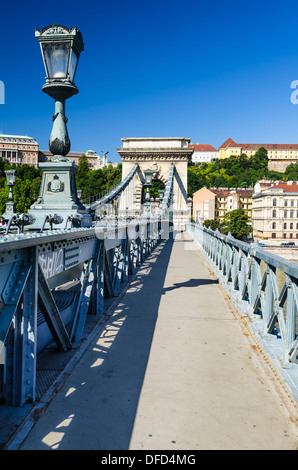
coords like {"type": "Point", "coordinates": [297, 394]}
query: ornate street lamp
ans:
{"type": "Point", "coordinates": [61, 48]}
{"type": "Point", "coordinates": [10, 207]}
{"type": "Point", "coordinates": [148, 182]}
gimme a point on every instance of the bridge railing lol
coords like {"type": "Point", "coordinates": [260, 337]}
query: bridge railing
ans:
{"type": "Point", "coordinates": [50, 281]}
{"type": "Point", "coordinates": [264, 286]}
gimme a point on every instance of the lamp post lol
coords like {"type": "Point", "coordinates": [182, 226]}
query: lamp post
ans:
{"type": "Point", "coordinates": [10, 207]}
{"type": "Point", "coordinates": [148, 182]}
{"type": "Point", "coordinates": [60, 48]}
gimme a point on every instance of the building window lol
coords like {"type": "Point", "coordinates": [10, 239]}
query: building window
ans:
{"type": "Point", "coordinates": [285, 214]}
{"type": "Point", "coordinates": [291, 235]}
{"type": "Point", "coordinates": [286, 202]}
{"type": "Point", "coordinates": [292, 214]}
{"type": "Point", "coordinates": [274, 202]}
{"type": "Point", "coordinates": [274, 235]}
{"type": "Point", "coordinates": [284, 235]}
{"type": "Point", "coordinates": [292, 202]}
{"type": "Point", "coordinates": [291, 226]}
{"type": "Point", "coordinates": [273, 226]}
{"type": "Point", "coordinates": [285, 225]}
{"type": "Point", "coordinates": [274, 213]}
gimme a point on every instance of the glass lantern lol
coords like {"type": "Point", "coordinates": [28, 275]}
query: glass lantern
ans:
{"type": "Point", "coordinates": [61, 48]}
{"type": "Point", "coordinates": [148, 177]}
{"type": "Point", "coordinates": [56, 59]}
{"type": "Point", "coordinates": [10, 177]}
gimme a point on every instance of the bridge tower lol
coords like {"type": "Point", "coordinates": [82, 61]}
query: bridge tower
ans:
{"type": "Point", "coordinates": [157, 154]}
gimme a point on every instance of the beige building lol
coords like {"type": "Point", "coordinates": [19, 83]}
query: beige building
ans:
{"type": "Point", "coordinates": [279, 155]}
{"type": "Point", "coordinates": [214, 203]}
{"type": "Point", "coordinates": [157, 154]}
{"type": "Point", "coordinates": [275, 210]}
{"type": "Point", "coordinates": [94, 161]}
{"type": "Point", "coordinates": [19, 149]}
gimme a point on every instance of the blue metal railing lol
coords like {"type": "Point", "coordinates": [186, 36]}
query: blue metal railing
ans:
{"type": "Point", "coordinates": [264, 286]}
{"type": "Point", "coordinates": [36, 305]}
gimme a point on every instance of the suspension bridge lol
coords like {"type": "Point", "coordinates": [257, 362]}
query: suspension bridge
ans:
{"type": "Point", "coordinates": [124, 326]}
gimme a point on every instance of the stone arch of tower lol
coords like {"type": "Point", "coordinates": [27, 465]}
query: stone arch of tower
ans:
{"type": "Point", "coordinates": [157, 154]}
{"type": "Point", "coordinates": [160, 177]}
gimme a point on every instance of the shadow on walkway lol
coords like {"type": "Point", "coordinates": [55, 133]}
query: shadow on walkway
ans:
{"type": "Point", "coordinates": [97, 406]}
{"type": "Point", "coordinates": [191, 283]}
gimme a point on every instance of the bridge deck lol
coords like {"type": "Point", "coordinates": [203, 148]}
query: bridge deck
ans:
{"type": "Point", "coordinates": [173, 368]}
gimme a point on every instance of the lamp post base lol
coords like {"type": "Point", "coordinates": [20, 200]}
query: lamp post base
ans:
{"type": "Point", "coordinates": [10, 209]}
{"type": "Point", "coordinates": [58, 194]}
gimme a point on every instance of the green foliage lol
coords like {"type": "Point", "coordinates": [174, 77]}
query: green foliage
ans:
{"type": "Point", "coordinates": [26, 189]}
{"type": "Point", "coordinates": [156, 186]}
{"type": "Point", "coordinates": [291, 172]}
{"type": "Point", "coordinates": [28, 181]}
{"type": "Point", "coordinates": [211, 223]}
{"type": "Point", "coordinates": [3, 198]}
{"type": "Point", "coordinates": [83, 170]}
{"type": "Point", "coordinates": [236, 222]}
{"type": "Point", "coordinates": [93, 182]}
{"type": "Point", "coordinates": [233, 172]}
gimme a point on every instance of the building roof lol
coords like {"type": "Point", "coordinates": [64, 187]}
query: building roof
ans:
{"type": "Point", "coordinates": [202, 147]}
{"type": "Point", "coordinates": [222, 192]}
{"type": "Point", "coordinates": [9, 136]}
{"type": "Point", "coordinates": [226, 192]}
{"type": "Point", "coordinates": [269, 146]}
{"type": "Point", "coordinates": [289, 187]}
{"type": "Point", "coordinates": [70, 154]}
{"type": "Point", "coordinates": [231, 143]}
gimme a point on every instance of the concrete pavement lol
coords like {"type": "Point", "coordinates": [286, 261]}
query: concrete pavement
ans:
{"type": "Point", "coordinates": [174, 368]}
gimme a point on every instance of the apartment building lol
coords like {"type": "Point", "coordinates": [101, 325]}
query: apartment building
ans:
{"type": "Point", "coordinates": [275, 210]}
{"type": "Point", "coordinates": [19, 149]}
{"type": "Point", "coordinates": [214, 203]}
{"type": "Point", "coordinates": [279, 155]}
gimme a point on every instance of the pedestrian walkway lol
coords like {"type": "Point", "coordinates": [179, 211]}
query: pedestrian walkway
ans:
{"type": "Point", "coordinates": [173, 368]}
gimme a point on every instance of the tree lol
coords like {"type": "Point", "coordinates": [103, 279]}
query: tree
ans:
{"type": "Point", "coordinates": [156, 186]}
{"type": "Point", "coordinates": [95, 182]}
{"type": "Point", "coordinates": [233, 172]}
{"type": "Point", "coordinates": [195, 180]}
{"type": "Point", "coordinates": [210, 223]}
{"type": "Point", "coordinates": [83, 171]}
{"type": "Point", "coordinates": [291, 172]}
{"type": "Point", "coordinates": [4, 191]}
{"type": "Point", "coordinates": [236, 222]}
{"type": "Point", "coordinates": [259, 161]}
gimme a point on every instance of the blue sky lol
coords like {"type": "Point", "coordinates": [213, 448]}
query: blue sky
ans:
{"type": "Point", "coordinates": [203, 70]}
